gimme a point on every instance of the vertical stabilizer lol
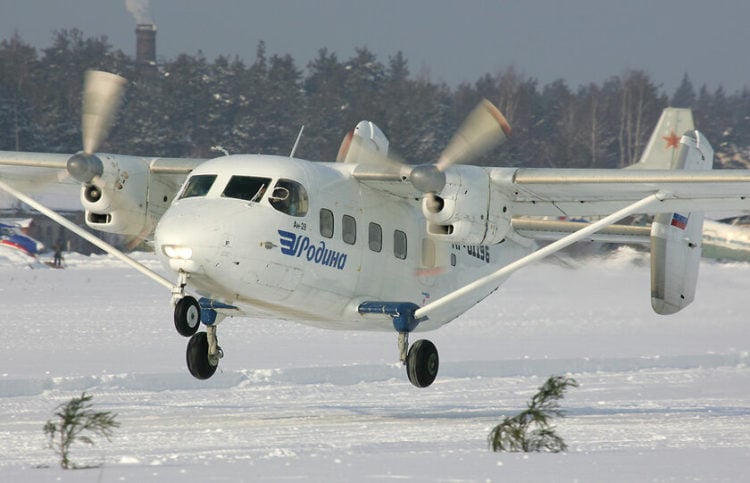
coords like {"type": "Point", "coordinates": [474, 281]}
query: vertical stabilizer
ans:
{"type": "Point", "coordinates": [662, 149]}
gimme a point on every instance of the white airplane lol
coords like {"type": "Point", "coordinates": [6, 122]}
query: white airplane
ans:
{"type": "Point", "coordinates": [366, 243]}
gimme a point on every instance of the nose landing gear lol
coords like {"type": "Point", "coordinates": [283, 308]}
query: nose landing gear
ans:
{"type": "Point", "coordinates": [203, 352]}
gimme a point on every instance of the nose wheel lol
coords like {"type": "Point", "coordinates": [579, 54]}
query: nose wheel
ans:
{"type": "Point", "coordinates": [203, 354]}
{"type": "Point", "coordinates": [187, 316]}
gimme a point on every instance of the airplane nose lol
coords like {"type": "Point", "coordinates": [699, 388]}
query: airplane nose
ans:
{"type": "Point", "coordinates": [184, 239]}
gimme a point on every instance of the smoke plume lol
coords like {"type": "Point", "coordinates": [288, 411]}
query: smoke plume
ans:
{"type": "Point", "coordinates": [141, 11]}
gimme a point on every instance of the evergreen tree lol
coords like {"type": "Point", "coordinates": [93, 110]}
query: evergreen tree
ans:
{"type": "Point", "coordinates": [684, 96]}
{"type": "Point", "coordinates": [187, 98]}
{"type": "Point", "coordinates": [531, 430]}
{"type": "Point", "coordinates": [18, 60]}
{"type": "Point", "coordinates": [59, 78]}
{"type": "Point", "coordinates": [193, 104]}
{"type": "Point", "coordinates": [326, 107]}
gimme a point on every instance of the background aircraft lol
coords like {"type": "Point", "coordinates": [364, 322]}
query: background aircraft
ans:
{"type": "Point", "coordinates": [16, 244]}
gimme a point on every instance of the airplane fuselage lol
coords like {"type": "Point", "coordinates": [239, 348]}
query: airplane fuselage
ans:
{"type": "Point", "coordinates": [341, 244]}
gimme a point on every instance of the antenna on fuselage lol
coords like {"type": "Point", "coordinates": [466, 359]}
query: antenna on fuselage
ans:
{"type": "Point", "coordinates": [296, 143]}
{"type": "Point", "coordinates": [220, 149]}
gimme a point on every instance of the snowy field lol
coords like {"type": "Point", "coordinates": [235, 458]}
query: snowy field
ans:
{"type": "Point", "coordinates": [660, 398]}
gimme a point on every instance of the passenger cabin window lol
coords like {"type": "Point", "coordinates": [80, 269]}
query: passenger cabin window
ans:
{"type": "Point", "coordinates": [399, 244]}
{"type": "Point", "coordinates": [289, 197]}
{"type": "Point", "coordinates": [198, 185]}
{"type": "Point", "coordinates": [349, 229]}
{"type": "Point", "coordinates": [326, 223]}
{"type": "Point", "coordinates": [246, 188]}
{"type": "Point", "coordinates": [375, 237]}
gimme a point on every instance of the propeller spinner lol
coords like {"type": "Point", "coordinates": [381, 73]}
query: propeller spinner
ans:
{"type": "Point", "coordinates": [484, 129]}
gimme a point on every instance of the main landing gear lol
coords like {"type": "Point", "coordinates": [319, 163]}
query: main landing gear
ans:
{"type": "Point", "coordinates": [421, 360]}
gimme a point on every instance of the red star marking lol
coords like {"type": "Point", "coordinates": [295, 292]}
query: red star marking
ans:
{"type": "Point", "coordinates": [672, 140]}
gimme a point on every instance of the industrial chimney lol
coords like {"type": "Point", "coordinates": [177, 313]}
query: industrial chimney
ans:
{"type": "Point", "coordinates": [145, 49]}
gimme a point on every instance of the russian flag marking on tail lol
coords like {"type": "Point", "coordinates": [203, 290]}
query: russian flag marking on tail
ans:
{"type": "Point", "coordinates": [679, 221]}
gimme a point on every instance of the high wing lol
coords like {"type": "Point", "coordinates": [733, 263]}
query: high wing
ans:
{"type": "Point", "coordinates": [472, 205]}
{"type": "Point", "coordinates": [552, 192]}
{"type": "Point", "coordinates": [542, 192]}
{"type": "Point", "coordinates": [122, 194]}
{"type": "Point", "coordinates": [20, 166]}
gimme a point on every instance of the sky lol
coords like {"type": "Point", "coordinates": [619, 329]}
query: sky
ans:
{"type": "Point", "coordinates": [580, 41]}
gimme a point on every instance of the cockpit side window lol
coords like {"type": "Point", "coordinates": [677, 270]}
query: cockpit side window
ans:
{"type": "Point", "coordinates": [289, 197]}
{"type": "Point", "coordinates": [246, 188]}
{"type": "Point", "coordinates": [198, 185]}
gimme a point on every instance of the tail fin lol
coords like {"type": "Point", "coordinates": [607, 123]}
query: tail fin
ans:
{"type": "Point", "coordinates": [663, 147]}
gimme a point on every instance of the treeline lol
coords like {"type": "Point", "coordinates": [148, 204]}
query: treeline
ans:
{"type": "Point", "coordinates": [192, 104]}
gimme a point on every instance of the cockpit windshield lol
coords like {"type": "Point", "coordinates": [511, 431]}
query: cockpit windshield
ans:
{"type": "Point", "coordinates": [289, 197]}
{"type": "Point", "coordinates": [198, 185]}
{"type": "Point", "coordinates": [246, 188]}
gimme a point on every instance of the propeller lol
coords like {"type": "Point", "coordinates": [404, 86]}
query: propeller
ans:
{"type": "Point", "coordinates": [102, 95]}
{"type": "Point", "coordinates": [483, 129]}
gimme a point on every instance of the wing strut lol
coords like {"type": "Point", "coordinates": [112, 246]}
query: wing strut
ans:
{"type": "Point", "coordinates": [87, 236]}
{"type": "Point", "coordinates": [493, 278]}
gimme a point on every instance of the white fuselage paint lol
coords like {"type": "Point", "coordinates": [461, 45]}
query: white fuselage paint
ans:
{"type": "Point", "coordinates": [238, 251]}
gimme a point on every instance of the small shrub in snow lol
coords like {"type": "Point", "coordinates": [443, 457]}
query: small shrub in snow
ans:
{"type": "Point", "coordinates": [531, 429]}
{"type": "Point", "coordinates": [74, 419]}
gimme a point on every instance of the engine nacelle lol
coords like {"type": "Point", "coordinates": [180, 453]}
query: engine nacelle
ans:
{"type": "Point", "coordinates": [117, 200]}
{"type": "Point", "coordinates": [464, 211]}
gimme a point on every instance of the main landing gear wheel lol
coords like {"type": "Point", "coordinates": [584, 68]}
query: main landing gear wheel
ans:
{"type": "Point", "coordinates": [422, 363]}
{"type": "Point", "coordinates": [198, 361]}
{"type": "Point", "coordinates": [187, 316]}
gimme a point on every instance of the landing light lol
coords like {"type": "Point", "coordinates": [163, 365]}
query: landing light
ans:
{"type": "Point", "coordinates": [177, 251]}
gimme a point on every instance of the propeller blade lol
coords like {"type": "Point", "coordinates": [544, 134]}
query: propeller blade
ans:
{"type": "Point", "coordinates": [484, 129]}
{"type": "Point", "coordinates": [102, 95]}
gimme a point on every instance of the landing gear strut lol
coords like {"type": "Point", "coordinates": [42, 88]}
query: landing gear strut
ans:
{"type": "Point", "coordinates": [422, 359]}
{"type": "Point", "coordinates": [203, 352]}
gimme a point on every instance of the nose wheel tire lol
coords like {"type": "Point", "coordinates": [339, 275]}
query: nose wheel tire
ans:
{"type": "Point", "coordinates": [422, 363]}
{"type": "Point", "coordinates": [198, 361]}
{"type": "Point", "coordinates": [187, 316]}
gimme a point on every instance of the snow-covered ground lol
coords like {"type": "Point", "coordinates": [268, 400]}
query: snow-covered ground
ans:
{"type": "Point", "coordinates": [660, 398]}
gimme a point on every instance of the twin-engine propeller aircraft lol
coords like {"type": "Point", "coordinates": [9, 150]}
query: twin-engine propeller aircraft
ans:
{"type": "Point", "coordinates": [367, 243]}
